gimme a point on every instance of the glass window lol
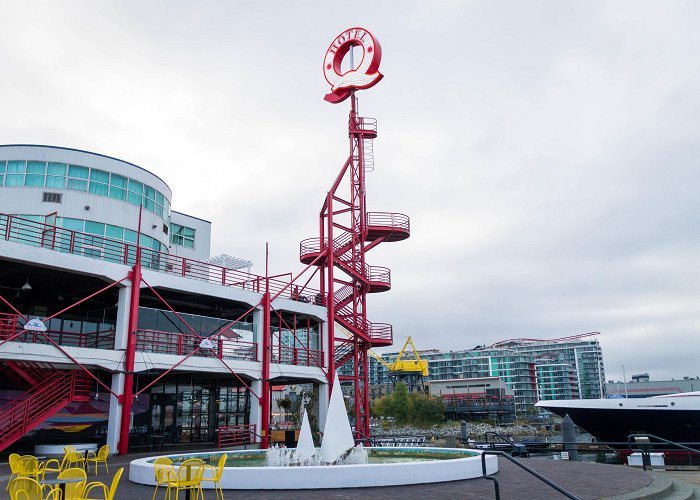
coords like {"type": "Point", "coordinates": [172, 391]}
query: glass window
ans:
{"type": "Point", "coordinates": [34, 180]}
{"type": "Point", "coordinates": [134, 199]}
{"type": "Point", "coordinates": [72, 224]}
{"type": "Point", "coordinates": [129, 235]}
{"type": "Point", "coordinates": [2, 180]}
{"type": "Point", "coordinates": [55, 181]}
{"type": "Point", "coordinates": [182, 235]}
{"type": "Point", "coordinates": [77, 171]}
{"type": "Point", "coordinates": [15, 167]}
{"type": "Point", "coordinates": [149, 192]}
{"type": "Point", "coordinates": [118, 181]}
{"type": "Point", "coordinates": [135, 186]}
{"type": "Point", "coordinates": [117, 193]}
{"type": "Point", "coordinates": [36, 167]}
{"type": "Point", "coordinates": [99, 176]}
{"type": "Point", "coordinates": [148, 204]}
{"type": "Point", "coordinates": [146, 241]}
{"type": "Point", "coordinates": [56, 168]}
{"type": "Point", "coordinates": [99, 188]}
{"type": "Point", "coordinates": [114, 232]}
{"type": "Point", "coordinates": [14, 180]}
{"type": "Point", "coordinates": [159, 197]}
{"type": "Point", "coordinates": [2, 167]}
{"type": "Point", "coordinates": [77, 185]}
{"type": "Point", "coordinates": [94, 228]}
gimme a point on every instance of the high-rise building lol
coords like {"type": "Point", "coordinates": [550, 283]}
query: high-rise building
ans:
{"type": "Point", "coordinates": [564, 368]}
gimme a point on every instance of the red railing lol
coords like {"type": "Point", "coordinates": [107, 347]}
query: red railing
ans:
{"type": "Point", "coordinates": [182, 344]}
{"type": "Point", "coordinates": [28, 232]}
{"type": "Point", "coordinates": [374, 331]}
{"type": "Point", "coordinates": [388, 219]}
{"type": "Point", "coordinates": [30, 409]}
{"type": "Point", "coordinates": [360, 124]}
{"type": "Point", "coordinates": [10, 325]}
{"type": "Point", "coordinates": [298, 356]}
{"type": "Point", "coordinates": [236, 435]}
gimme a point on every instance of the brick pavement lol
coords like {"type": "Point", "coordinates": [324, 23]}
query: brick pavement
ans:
{"type": "Point", "coordinates": [584, 479]}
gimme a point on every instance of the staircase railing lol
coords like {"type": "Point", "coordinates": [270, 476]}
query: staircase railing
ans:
{"type": "Point", "coordinates": [34, 406]}
{"type": "Point", "coordinates": [522, 466]}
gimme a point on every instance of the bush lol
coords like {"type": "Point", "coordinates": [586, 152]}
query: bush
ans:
{"type": "Point", "coordinates": [408, 408]}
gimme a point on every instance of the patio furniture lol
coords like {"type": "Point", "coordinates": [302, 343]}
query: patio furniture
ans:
{"type": "Point", "coordinates": [215, 478]}
{"type": "Point", "coordinates": [99, 457]}
{"type": "Point", "coordinates": [105, 492]}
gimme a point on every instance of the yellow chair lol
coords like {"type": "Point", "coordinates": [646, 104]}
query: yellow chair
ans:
{"type": "Point", "coordinates": [188, 476]}
{"type": "Point", "coordinates": [51, 465]}
{"type": "Point", "coordinates": [99, 457]}
{"type": "Point", "coordinates": [106, 492]}
{"type": "Point", "coordinates": [73, 491]}
{"type": "Point", "coordinates": [14, 468]}
{"type": "Point", "coordinates": [161, 467]}
{"type": "Point", "coordinates": [26, 488]}
{"type": "Point", "coordinates": [28, 466]}
{"type": "Point", "coordinates": [216, 475]}
{"type": "Point", "coordinates": [73, 459]}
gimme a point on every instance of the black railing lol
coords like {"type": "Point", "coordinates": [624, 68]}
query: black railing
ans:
{"type": "Point", "coordinates": [644, 445]}
{"type": "Point", "coordinates": [522, 466]}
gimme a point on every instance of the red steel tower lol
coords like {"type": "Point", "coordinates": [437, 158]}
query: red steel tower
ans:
{"type": "Point", "coordinates": [347, 231]}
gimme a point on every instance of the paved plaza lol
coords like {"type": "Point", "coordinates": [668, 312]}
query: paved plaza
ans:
{"type": "Point", "coordinates": [584, 479]}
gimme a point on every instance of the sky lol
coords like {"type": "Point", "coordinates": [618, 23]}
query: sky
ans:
{"type": "Point", "coordinates": [545, 151]}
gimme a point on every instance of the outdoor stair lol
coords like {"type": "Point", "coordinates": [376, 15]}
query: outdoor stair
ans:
{"type": "Point", "coordinates": [50, 390]}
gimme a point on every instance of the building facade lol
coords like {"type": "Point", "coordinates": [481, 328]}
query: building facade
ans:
{"type": "Point", "coordinates": [113, 296]}
{"type": "Point", "coordinates": [566, 368]}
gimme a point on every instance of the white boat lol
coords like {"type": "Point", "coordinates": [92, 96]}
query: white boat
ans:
{"type": "Point", "coordinates": [675, 417]}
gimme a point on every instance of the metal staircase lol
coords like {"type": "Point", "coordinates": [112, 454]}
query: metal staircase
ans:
{"type": "Point", "coordinates": [346, 233]}
{"type": "Point", "coordinates": [50, 390]}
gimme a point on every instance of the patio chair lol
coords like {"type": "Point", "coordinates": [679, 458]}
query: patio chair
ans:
{"type": "Point", "coordinates": [28, 466]}
{"type": "Point", "coordinates": [99, 457]}
{"type": "Point", "coordinates": [105, 492]}
{"type": "Point", "coordinates": [14, 468]}
{"type": "Point", "coordinates": [161, 467]}
{"type": "Point", "coordinates": [26, 488]}
{"type": "Point", "coordinates": [72, 459]}
{"type": "Point", "coordinates": [73, 491]}
{"type": "Point", "coordinates": [188, 476]}
{"type": "Point", "coordinates": [215, 478]}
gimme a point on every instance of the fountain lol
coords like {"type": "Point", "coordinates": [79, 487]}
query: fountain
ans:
{"type": "Point", "coordinates": [337, 464]}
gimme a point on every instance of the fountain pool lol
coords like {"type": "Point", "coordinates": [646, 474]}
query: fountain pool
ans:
{"type": "Point", "coordinates": [246, 469]}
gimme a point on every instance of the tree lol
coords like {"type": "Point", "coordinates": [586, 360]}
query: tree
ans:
{"type": "Point", "coordinates": [408, 408]}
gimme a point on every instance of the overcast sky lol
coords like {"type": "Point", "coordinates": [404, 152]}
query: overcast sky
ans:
{"type": "Point", "coordinates": [546, 152]}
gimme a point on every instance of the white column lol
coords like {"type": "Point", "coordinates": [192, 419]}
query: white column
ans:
{"type": "Point", "coordinates": [120, 337]}
{"type": "Point", "coordinates": [255, 410]}
{"type": "Point", "coordinates": [258, 329]}
{"type": "Point", "coordinates": [115, 412]}
{"type": "Point", "coordinates": [322, 397]}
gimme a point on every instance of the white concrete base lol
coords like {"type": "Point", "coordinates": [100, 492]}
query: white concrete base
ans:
{"type": "Point", "coordinates": [336, 476]}
{"type": "Point", "coordinates": [656, 460]}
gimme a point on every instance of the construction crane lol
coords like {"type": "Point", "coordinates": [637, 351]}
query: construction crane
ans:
{"type": "Point", "coordinates": [408, 371]}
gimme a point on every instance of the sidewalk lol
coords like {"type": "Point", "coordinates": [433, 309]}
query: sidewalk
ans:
{"type": "Point", "coordinates": [583, 479]}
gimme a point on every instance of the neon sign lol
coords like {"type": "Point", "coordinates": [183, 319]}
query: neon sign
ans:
{"type": "Point", "coordinates": [364, 76]}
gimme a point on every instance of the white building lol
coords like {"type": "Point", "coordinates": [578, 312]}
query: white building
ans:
{"type": "Point", "coordinates": [69, 228]}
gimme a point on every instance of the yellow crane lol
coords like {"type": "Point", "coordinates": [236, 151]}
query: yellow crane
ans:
{"type": "Point", "coordinates": [406, 370]}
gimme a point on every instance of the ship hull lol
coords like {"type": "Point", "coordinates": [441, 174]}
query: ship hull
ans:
{"type": "Point", "coordinates": [675, 419]}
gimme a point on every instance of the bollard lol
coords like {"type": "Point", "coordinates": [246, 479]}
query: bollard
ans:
{"type": "Point", "coordinates": [568, 437]}
{"type": "Point", "coordinates": [463, 436]}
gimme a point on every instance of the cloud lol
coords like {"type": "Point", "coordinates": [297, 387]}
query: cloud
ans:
{"type": "Point", "coordinates": [546, 152]}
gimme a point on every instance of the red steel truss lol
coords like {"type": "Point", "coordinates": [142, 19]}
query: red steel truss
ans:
{"type": "Point", "coordinates": [347, 232]}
